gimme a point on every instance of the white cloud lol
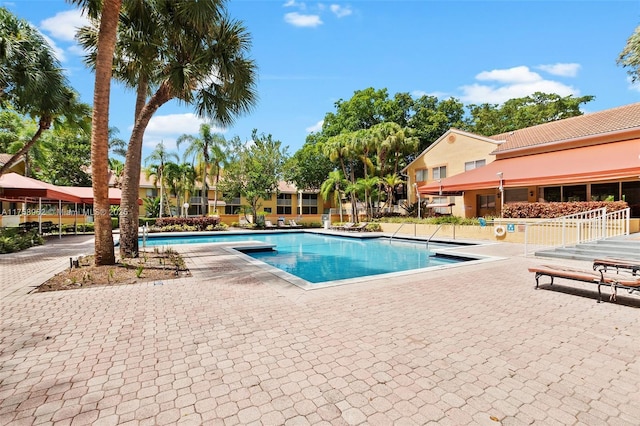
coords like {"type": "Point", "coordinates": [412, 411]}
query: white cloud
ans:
{"type": "Point", "coordinates": [300, 20]}
{"type": "Point", "coordinates": [563, 70]}
{"type": "Point", "coordinates": [316, 127]}
{"type": "Point", "coordinates": [479, 94]}
{"type": "Point", "coordinates": [293, 3]}
{"type": "Point", "coordinates": [57, 52]}
{"type": "Point", "coordinates": [340, 11]}
{"type": "Point", "coordinates": [511, 83]}
{"type": "Point", "coordinates": [63, 25]}
{"type": "Point", "coordinates": [520, 74]}
{"type": "Point", "coordinates": [77, 50]}
{"type": "Point", "coordinates": [167, 128]}
{"type": "Point", "coordinates": [633, 86]}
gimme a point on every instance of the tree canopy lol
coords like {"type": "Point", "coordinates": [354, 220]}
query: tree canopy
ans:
{"type": "Point", "coordinates": [630, 55]}
{"type": "Point", "coordinates": [175, 49]}
{"type": "Point", "coordinates": [518, 113]}
{"type": "Point", "coordinates": [255, 169]}
{"type": "Point", "coordinates": [32, 82]}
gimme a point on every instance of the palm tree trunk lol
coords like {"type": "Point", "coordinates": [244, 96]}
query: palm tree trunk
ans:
{"type": "Point", "coordinates": [104, 250]}
{"type": "Point", "coordinates": [129, 211]}
{"type": "Point", "coordinates": [215, 192]}
{"type": "Point", "coordinates": [44, 124]}
{"type": "Point", "coordinates": [161, 189]}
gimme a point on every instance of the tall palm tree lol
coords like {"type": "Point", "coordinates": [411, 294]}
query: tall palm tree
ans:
{"type": "Point", "coordinates": [201, 149]}
{"type": "Point", "coordinates": [105, 41]}
{"type": "Point", "coordinates": [32, 81]}
{"type": "Point", "coordinates": [180, 180]}
{"type": "Point", "coordinates": [219, 158]}
{"type": "Point", "coordinates": [177, 49]}
{"type": "Point", "coordinates": [367, 185]}
{"type": "Point", "coordinates": [340, 150]}
{"type": "Point", "coordinates": [333, 187]}
{"type": "Point", "coordinates": [159, 157]}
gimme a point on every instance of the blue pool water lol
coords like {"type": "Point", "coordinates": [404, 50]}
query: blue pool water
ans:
{"type": "Point", "coordinates": [320, 258]}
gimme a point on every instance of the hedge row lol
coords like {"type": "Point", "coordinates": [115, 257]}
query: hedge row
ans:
{"type": "Point", "coordinates": [200, 223]}
{"type": "Point", "coordinates": [550, 210]}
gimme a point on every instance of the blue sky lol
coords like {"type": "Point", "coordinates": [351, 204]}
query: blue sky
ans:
{"type": "Point", "coordinates": [312, 54]}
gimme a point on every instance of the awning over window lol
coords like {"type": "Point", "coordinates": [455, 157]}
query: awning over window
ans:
{"type": "Point", "coordinates": [611, 161]}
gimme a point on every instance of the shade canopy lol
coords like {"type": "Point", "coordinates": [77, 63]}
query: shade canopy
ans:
{"type": "Point", "coordinates": [619, 160]}
{"type": "Point", "coordinates": [18, 188]}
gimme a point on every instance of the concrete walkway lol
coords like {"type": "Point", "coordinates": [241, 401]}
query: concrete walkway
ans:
{"type": "Point", "coordinates": [234, 344]}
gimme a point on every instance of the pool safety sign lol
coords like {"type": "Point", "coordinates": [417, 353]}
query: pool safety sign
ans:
{"type": "Point", "coordinates": [511, 227]}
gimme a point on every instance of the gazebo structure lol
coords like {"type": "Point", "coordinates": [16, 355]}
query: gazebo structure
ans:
{"type": "Point", "coordinates": [32, 194]}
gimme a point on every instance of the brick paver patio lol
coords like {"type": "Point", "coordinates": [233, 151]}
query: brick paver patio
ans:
{"type": "Point", "coordinates": [234, 344]}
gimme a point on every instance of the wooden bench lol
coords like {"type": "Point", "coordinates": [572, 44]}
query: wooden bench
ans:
{"type": "Point", "coordinates": [618, 264]}
{"type": "Point", "coordinates": [627, 282]}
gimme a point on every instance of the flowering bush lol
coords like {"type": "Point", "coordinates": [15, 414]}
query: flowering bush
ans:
{"type": "Point", "coordinates": [550, 210]}
{"type": "Point", "coordinates": [199, 223]}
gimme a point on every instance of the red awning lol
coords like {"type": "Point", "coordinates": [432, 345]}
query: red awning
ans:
{"type": "Point", "coordinates": [619, 160]}
{"type": "Point", "coordinates": [15, 187]}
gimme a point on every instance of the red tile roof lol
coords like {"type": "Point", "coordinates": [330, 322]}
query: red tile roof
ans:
{"type": "Point", "coordinates": [607, 121]}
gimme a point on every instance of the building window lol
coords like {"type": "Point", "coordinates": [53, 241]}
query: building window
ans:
{"type": "Point", "coordinates": [516, 195]}
{"type": "Point", "coordinates": [421, 175]}
{"type": "Point", "coordinates": [233, 205]}
{"type": "Point", "coordinates": [552, 194]}
{"type": "Point", "coordinates": [152, 192]}
{"type": "Point", "coordinates": [439, 172]}
{"type": "Point", "coordinates": [470, 165]}
{"type": "Point", "coordinates": [309, 203]}
{"type": "Point", "coordinates": [487, 202]}
{"type": "Point", "coordinates": [267, 209]}
{"type": "Point", "coordinates": [574, 193]}
{"type": "Point", "coordinates": [284, 204]}
{"type": "Point", "coordinates": [605, 191]}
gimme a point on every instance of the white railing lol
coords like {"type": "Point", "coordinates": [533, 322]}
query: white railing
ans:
{"type": "Point", "coordinates": [575, 229]}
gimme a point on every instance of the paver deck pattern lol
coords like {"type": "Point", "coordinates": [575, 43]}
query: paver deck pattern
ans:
{"type": "Point", "coordinates": [234, 344]}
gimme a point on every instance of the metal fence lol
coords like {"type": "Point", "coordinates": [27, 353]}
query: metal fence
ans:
{"type": "Point", "coordinates": [575, 229]}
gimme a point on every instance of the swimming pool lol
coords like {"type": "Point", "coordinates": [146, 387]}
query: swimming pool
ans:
{"type": "Point", "coordinates": [320, 258]}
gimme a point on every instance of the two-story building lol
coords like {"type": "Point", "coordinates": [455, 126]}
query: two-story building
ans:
{"type": "Point", "coordinates": [592, 157]}
{"type": "Point", "coordinates": [452, 153]}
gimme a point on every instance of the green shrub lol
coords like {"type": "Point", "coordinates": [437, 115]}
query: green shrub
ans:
{"type": "Point", "coordinates": [149, 221]}
{"type": "Point", "coordinates": [310, 224]}
{"type": "Point", "coordinates": [12, 240]}
{"type": "Point", "coordinates": [219, 227]}
{"type": "Point", "coordinates": [114, 223]}
{"type": "Point", "coordinates": [373, 227]}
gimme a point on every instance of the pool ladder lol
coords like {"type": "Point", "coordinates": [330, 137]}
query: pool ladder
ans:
{"type": "Point", "coordinates": [415, 233]}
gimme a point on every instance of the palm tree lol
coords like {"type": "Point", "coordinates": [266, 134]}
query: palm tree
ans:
{"type": "Point", "coordinates": [180, 180]}
{"type": "Point", "coordinates": [333, 187]}
{"type": "Point", "coordinates": [218, 156]}
{"type": "Point", "coordinates": [103, 63]}
{"type": "Point", "coordinates": [178, 49]}
{"type": "Point", "coordinates": [32, 81]}
{"type": "Point", "coordinates": [340, 149]}
{"type": "Point", "coordinates": [159, 157]}
{"type": "Point", "coordinates": [390, 182]}
{"type": "Point", "coordinates": [116, 167]}
{"type": "Point", "coordinates": [201, 149]}
{"type": "Point", "coordinates": [367, 185]}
